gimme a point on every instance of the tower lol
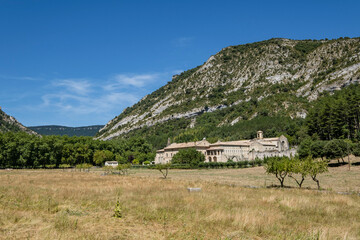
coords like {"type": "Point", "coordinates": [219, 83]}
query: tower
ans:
{"type": "Point", "coordinates": [260, 135]}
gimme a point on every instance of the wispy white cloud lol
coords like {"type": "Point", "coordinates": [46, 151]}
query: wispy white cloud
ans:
{"type": "Point", "coordinates": [120, 81]}
{"type": "Point", "coordinates": [20, 78]}
{"type": "Point", "coordinates": [79, 86]}
{"type": "Point", "coordinates": [88, 99]}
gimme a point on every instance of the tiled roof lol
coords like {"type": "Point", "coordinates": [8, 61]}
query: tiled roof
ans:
{"type": "Point", "coordinates": [202, 143]}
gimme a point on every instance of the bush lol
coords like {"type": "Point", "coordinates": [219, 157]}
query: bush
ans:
{"type": "Point", "coordinates": [64, 166]}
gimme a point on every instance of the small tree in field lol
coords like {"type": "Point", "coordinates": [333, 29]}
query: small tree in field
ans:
{"type": "Point", "coordinates": [299, 167]}
{"type": "Point", "coordinates": [315, 168]}
{"type": "Point", "coordinates": [123, 168]}
{"type": "Point", "coordinates": [163, 168]}
{"type": "Point", "coordinates": [280, 167]}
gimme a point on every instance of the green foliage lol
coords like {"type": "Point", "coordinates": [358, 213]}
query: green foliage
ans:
{"type": "Point", "coordinates": [188, 156]}
{"type": "Point", "coordinates": [315, 168]}
{"type": "Point", "coordinates": [295, 168]}
{"type": "Point", "coordinates": [307, 46]}
{"type": "Point", "coordinates": [101, 156]}
{"type": "Point", "coordinates": [355, 149]}
{"type": "Point", "coordinates": [21, 150]}
{"type": "Point", "coordinates": [64, 166]}
{"type": "Point", "coordinates": [84, 166]}
{"type": "Point", "coordinates": [300, 168]}
{"type": "Point", "coordinates": [124, 168]}
{"type": "Point", "coordinates": [280, 167]}
{"type": "Point", "coordinates": [336, 149]}
{"type": "Point", "coordinates": [135, 161]}
{"type": "Point", "coordinates": [118, 210]}
{"type": "Point", "coordinates": [336, 116]}
{"type": "Point", "coordinates": [163, 168]}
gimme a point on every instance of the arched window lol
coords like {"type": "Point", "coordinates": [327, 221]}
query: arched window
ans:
{"type": "Point", "coordinates": [215, 159]}
{"type": "Point", "coordinates": [209, 159]}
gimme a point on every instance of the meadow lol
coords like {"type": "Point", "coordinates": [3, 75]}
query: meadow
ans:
{"type": "Point", "coordinates": [233, 204]}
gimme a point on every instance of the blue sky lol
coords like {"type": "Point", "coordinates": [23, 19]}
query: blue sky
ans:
{"type": "Point", "coordinates": [79, 63]}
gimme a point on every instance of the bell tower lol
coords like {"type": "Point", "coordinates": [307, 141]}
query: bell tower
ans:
{"type": "Point", "coordinates": [260, 135]}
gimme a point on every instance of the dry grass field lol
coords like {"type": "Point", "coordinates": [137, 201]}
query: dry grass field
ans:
{"type": "Point", "coordinates": [53, 204]}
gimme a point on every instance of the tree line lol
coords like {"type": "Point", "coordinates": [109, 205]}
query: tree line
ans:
{"type": "Point", "coordinates": [296, 168]}
{"type": "Point", "coordinates": [21, 150]}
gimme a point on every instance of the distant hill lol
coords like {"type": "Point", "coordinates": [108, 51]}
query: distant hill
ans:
{"type": "Point", "coordinates": [9, 123]}
{"type": "Point", "coordinates": [70, 131]}
{"type": "Point", "coordinates": [268, 79]}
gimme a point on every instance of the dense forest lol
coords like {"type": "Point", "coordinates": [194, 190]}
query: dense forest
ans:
{"type": "Point", "coordinates": [336, 116]}
{"type": "Point", "coordinates": [21, 150]}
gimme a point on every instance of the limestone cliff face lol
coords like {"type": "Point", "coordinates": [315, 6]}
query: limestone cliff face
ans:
{"type": "Point", "coordinates": [278, 76]}
{"type": "Point", "coordinates": [9, 123]}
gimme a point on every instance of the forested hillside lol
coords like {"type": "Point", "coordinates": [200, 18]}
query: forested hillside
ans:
{"type": "Point", "coordinates": [268, 85]}
{"type": "Point", "coordinates": [69, 131]}
{"type": "Point", "coordinates": [332, 125]}
{"type": "Point", "coordinates": [336, 115]}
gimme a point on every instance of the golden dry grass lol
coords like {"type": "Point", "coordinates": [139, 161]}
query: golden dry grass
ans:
{"type": "Point", "coordinates": [52, 204]}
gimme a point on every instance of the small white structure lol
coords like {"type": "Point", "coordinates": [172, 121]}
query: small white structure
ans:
{"type": "Point", "coordinates": [111, 163]}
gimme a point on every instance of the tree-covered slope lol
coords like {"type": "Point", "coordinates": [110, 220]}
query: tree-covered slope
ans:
{"type": "Point", "coordinates": [70, 131]}
{"type": "Point", "coordinates": [9, 123]}
{"type": "Point", "coordinates": [273, 78]}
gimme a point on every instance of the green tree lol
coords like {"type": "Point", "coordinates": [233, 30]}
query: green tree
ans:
{"type": "Point", "coordinates": [300, 168]}
{"type": "Point", "coordinates": [317, 149]}
{"type": "Point", "coordinates": [305, 148]}
{"type": "Point", "coordinates": [280, 167]}
{"type": "Point", "coordinates": [163, 168]}
{"type": "Point", "coordinates": [336, 149]}
{"type": "Point", "coordinates": [315, 168]}
{"type": "Point", "coordinates": [188, 156]}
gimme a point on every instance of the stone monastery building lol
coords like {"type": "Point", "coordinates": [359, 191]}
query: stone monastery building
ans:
{"type": "Point", "coordinates": [234, 150]}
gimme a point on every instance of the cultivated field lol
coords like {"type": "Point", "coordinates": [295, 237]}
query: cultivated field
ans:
{"type": "Point", "coordinates": [56, 204]}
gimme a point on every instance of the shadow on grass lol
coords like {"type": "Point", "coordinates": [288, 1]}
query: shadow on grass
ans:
{"type": "Point", "coordinates": [337, 164]}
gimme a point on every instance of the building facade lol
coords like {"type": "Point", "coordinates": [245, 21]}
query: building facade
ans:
{"type": "Point", "coordinates": [242, 150]}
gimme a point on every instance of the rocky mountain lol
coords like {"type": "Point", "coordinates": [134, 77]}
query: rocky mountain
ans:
{"type": "Point", "coordinates": [276, 77]}
{"type": "Point", "coordinates": [9, 123]}
{"type": "Point", "coordinates": [70, 131]}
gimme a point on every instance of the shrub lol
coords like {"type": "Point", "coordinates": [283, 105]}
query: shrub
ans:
{"type": "Point", "coordinates": [64, 166]}
{"type": "Point", "coordinates": [117, 210]}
